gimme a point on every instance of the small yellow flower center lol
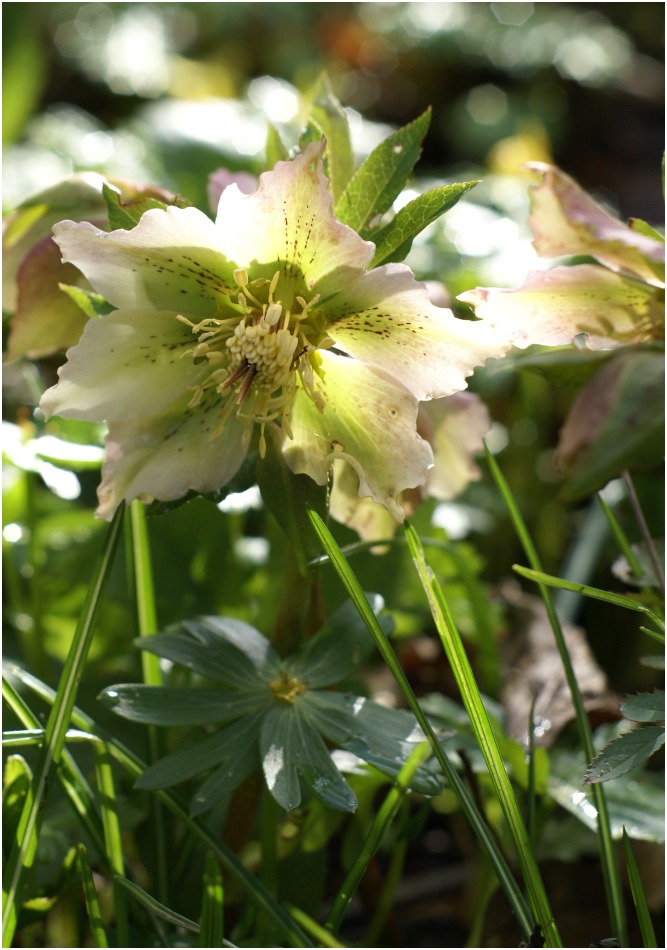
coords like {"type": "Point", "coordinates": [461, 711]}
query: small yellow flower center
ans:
{"type": "Point", "coordinates": [287, 688]}
{"type": "Point", "coordinates": [261, 356]}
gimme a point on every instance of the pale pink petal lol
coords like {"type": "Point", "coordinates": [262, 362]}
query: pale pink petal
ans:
{"type": "Point", "coordinates": [288, 224]}
{"type": "Point", "coordinates": [171, 260]}
{"type": "Point", "coordinates": [127, 364]}
{"type": "Point", "coordinates": [369, 421]}
{"type": "Point", "coordinates": [386, 319]}
{"type": "Point", "coordinates": [566, 221]}
{"type": "Point", "coordinates": [165, 456]}
{"type": "Point", "coordinates": [455, 427]}
{"type": "Point", "coordinates": [553, 306]}
{"type": "Point", "coordinates": [222, 178]}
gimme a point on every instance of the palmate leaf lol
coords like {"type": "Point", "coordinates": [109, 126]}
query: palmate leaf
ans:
{"type": "Point", "coordinates": [381, 178]}
{"type": "Point", "coordinates": [394, 240]}
{"type": "Point", "coordinates": [171, 706]}
{"type": "Point", "coordinates": [625, 753]}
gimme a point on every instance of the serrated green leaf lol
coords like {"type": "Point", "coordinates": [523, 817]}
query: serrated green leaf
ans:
{"type": "Point", "coordinates": [338, 648]}
{"type": "Point", "coordinates": [382, 176]}
{"type": "Point", "coordinates": [616, 423]}
{"type": "Point", "coordinates": [171, 706]}
{"type": "Point", "coordinates": [275, 149]}
{"type": "Point", "coordinates": [287, 497]}
{"type": "Point", "coordinates": [394, 240]}
{"type": "Point", "coordinates": [645, 707]}
{"type": "Point", "coordinates": [625, 753]}
{"type": "Point", "coordinates": [328, 116]}
{"type": "Point", "coordinates": [125, 215]}
{"type": "Point", "coordinates": [90, 303]}
{"type": "Point", "coordinates": [289, 746]}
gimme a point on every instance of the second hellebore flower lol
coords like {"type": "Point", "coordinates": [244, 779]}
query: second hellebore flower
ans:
{"type": "Point", "coordinates": [268, 316]}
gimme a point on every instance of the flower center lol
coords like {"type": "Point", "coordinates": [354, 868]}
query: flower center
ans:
{"type": "Point", "coordinates": [261, 357]}
{"type": "Point", "coordinates": [287, 688]}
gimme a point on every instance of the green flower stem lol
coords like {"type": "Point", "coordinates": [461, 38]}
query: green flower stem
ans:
{"type": "Point", "coordinates": [638, 895]}
{"type": "Point", "coordinates": [621, 540]}
{"type": "Point", "coordinates": [144, 590]}
{"type": "Point", "coordinates": [112, 837]}
{"type": "Point", "coordinates": [135, 767]}
{"type": "Point", "coordinates": [472, 700]}
{"type": "Point", "coordinates": [300, 612]}
{"type": "Point", "coordinates": [383, 819]}
{"type": "Point", "coordinates": [57, 725]}
{"type": "Point", "coordinates": [646, 534]}
{"type": "Point", "coordinates": [324, 937]}
{"type": "Point", "coordinates": [92, 903]}
{"type": "Point", "coordinates": [465, 799]}
{"type": "Point", "coordinates": [608, 860]}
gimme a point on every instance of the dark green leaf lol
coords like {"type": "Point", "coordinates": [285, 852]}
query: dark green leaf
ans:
{"type": "Point", "coordinates": [330, 713]}
{"type": "Point", "coordinates": [339, 647]}
{"type": "Point", "coordinates": [382, 177]}
{"type": "Point", "coordinates": [92, 304]}
{"type": "Point", "coordinates": [173, 706]}
{"type": "Point", "coordinates": [645, 707]}
{"type": "Point", "coordinates": [287, 496]}
{"type": "Point", "coordinates": [216, 632]}
{"type": "Point", "coordinates": [328, 117]}
{"type": "Point", "coordinates": [562, 366]}
{"type": "Point", "coordinates": [290, 745]}
{"type": "Point", "coordinates": [239, 760]}
{"type": "Point", "coordinates": [394, 240]}
{"type": "Point", "coordinates": [237, 740]}
{"type": "Point", "coordinates": [625, 753]}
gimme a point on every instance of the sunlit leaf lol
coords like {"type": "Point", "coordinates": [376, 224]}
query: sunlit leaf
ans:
{"type": "Point", "coordinates": [624, 753]}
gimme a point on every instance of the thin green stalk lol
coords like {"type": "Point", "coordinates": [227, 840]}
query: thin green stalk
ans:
{"type": "Point", "coordinates": [638, 895]}
{"type": "Point", "coordinates": [646, 534]}
{"type": "Point", "coordinates": [610, 870]}
{"type": "Point", "coordinates": [70, 776]}
{"type": "Point", "coordinates": [486, 740]}
{"type": "Point", "coordinates": [155, 907]}
{"type": "Point", "coordinates": [619, 600]}
{"type": "Point", "coordinates": [465, 799]}
{"type": "Point", "coordinates": [58, 723]}
{"type": "Point", "coordinates": [386, 899]}
{"type": "Point", "coordinates": [212, 931]}
{"type": "Point", "coordinates": [324, 937]}
{"type": "Point", "coordinates": [621, 540]}
{"type": "Point", "coordinates": [135, 767]}
{"type": "Point", "coordinates": [92, 903]}
{"type": "Point", "coordinates": [530, 808]}
{"type": "Point", "coordinates": [112, 836]}
{"type": "Point", "coordinates": [144, 590]}
{"type": "Point", "coordinates": [384, 817]}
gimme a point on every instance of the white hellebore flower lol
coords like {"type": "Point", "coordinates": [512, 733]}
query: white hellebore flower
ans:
{"type": "Point", "coordinates": [267, 316]}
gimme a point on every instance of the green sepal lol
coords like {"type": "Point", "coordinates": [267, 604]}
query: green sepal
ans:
{"type": "Point", "coordinates": [381, 178]}
{"type": "Point", "coordinates": [287, 496]}
{"type": "Point", "coordinates": [394, 241]}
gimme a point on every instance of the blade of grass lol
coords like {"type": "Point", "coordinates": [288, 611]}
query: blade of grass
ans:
{"type": "Point", "coordinates": [385, 815]}
{"type": "Point", "coordinates": [619, 600]}
{"type": "Point", "coordinates": [112, 836]}
{"type": "Point", "coordinates": [155, 907]}
{"type": "Point", "coordinates": [644, 528]}
{"type": "Point", "coordinates": [465, 799]}
{"type": "Point", "coordinates": [58, 723]}
{"type": "Point", "coordinates": [70, 776]}
{"type": "Point", "coordinates": [638, 895]}
{"type": "Point", "coordinates": [144, 591]}
{"type": "Point", "coordinates": [486, 740]}
{"type": "Point", "coordinates": [386, 898]}
{"type": "Point", "coordinates": [324, 937]}
{"type": "Point", "coordinates": [92, 903]}
{"type": "Point", "coordinates": [212, 931]}
{"type": "Point", "coordinates": [135, 767]}
{"type": "Point", "coordinates": [623, 543]}
{"type": "Point", "coordinates": [610, 871]}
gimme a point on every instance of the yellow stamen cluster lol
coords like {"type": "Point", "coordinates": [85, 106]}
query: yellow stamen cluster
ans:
{"type": "Point", "coordinates": [258, 355]}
